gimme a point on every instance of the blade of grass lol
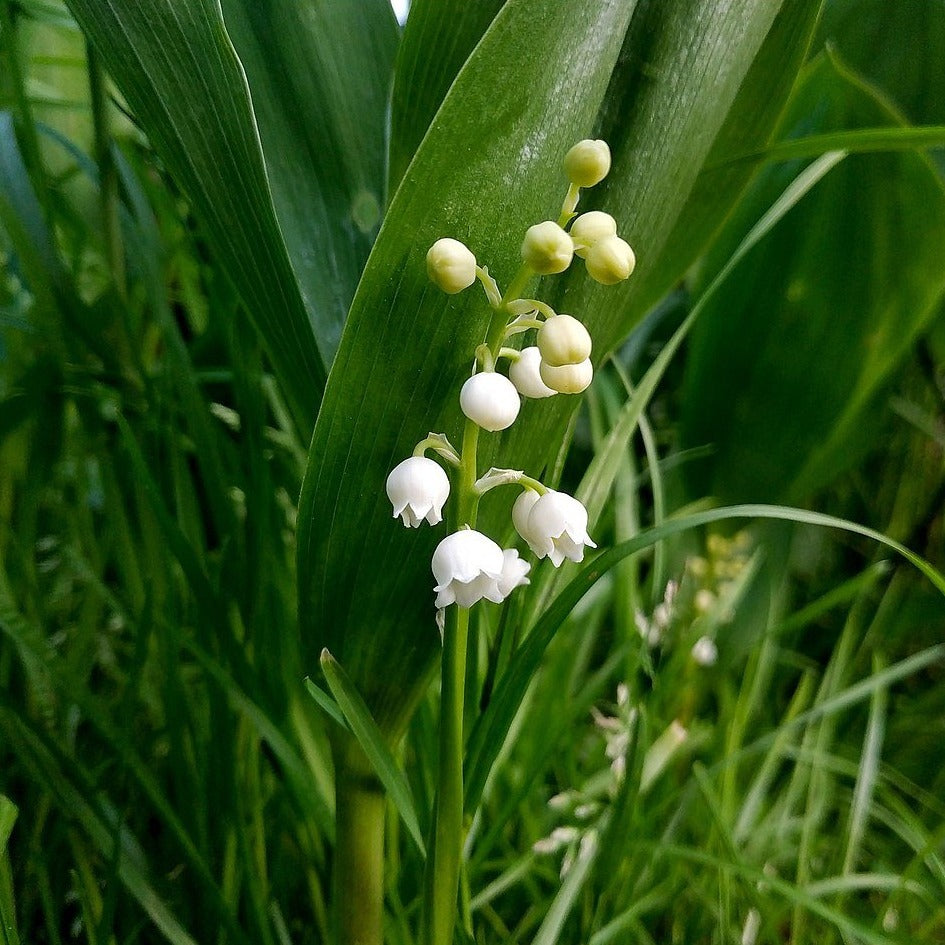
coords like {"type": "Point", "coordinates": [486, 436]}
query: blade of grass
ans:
{"type": "Point", "coordinates": [491, 728]}
{"type": "Point", "coordinates": [8, 813]}
{"type": "Point", "coordinates": [870, 759]}
{"type": "Point", "coordinates": [562, 904]}
{"type": "Point", "coordinates": [856, 141]}
{"type": "Point", "coordinates": [325, 703]}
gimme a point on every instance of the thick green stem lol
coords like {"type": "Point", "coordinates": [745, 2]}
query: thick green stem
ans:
{"type": "Point", "coordinates": [360, 806]}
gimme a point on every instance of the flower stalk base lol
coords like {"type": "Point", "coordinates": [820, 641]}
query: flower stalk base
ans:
{"type": "Point", "coordinates": [360, 805]}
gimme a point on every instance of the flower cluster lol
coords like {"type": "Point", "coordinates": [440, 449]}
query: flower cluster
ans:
{"type": "Point", "coordinates": [469, 566]}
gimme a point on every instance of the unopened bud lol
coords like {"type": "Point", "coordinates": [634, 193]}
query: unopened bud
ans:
{"type": "Point", "coordinates": [451, 265]}
{"type": "Point", "coordinates": [562, 339]}
{"type": "Point", "coordinates": [523, 373]}
{"type": "Point", "coordinates": [490, 401]}
{"type": "Point", "coordinates": [547, 248]}
{"type": "Point", "coordinates": [610, 261]}
{"type": "Point", "coordinates": [591, 228]}
{"type": "Point", "coordinates": [569, 378]}
{"type": "Point", "coordinates": [587, 163]}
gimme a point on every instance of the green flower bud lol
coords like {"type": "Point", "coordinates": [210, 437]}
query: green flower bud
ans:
{"type": "Point", "coordinates": [610, 261]}
{"type": "Point", "coordinates": [591, 228]}
{"type": "Point", "coordinates": [569, 378]}
{"type": "Point", "coordinates": [587, 163]}
{"type": "Point", "coordinates": [451, 265]}
{"type": "Point", "coordinates": [563, 340]}
{"type": "Point", "coordinates": [547, 248]}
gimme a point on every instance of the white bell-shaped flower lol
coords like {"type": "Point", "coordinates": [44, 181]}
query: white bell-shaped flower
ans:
{"type": "Point", "coordinates": [523, 373]}
{"type": "Point", "coordinates": [556, 528]}
{"type": "Point", "coordinates": [418, 489]}
{"type": "Point", "coordinates": [490, 400]}
{"type": "Point", "coordinates": [514, 572]}
{"type": "Point", "coordinates": [468, 567]}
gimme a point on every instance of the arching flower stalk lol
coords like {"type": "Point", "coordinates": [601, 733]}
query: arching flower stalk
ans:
{"type": "Point", "coordinates": [467, 565]}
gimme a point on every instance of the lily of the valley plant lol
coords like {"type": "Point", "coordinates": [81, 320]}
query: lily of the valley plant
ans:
{"type": "Point", "coordinates": [467, 565]}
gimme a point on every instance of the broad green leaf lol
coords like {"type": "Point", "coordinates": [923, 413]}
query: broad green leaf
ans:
{"type": "Point", "coordinates": [373, 744]}
{"type": "Point", "coordinates": [177, 68]}
{"type": "Point", "coordinates": [438, 38]}
{"type": "Point", "coordinates": [786, 364]}
{"type": "Point", "coordinates": [750, 121]}
{"type": "Point", "coordinates": [319, 75]}
{"type": "Point", "coordinates": [487, 169]}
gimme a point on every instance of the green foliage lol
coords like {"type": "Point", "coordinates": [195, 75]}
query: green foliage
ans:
{"type": "Point", "coordinates": [180, 73]}
{"type": "Point", "coordinates": [815, 352]}
{"type": "Point", "coordinates": [180, 244]}
{"type": "Point", "coordinates": [379, 577]}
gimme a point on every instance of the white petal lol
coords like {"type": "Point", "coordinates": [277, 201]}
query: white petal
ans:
{"type": "Point", "coordinates": [514, 572]}
{"type": "Point", "coordinates": [574, 550]}
{"type": "Point", "coordinates": [557, 528]}
{"type": "Point", "coordinates": [521, 509]}
{"type": "Point", "coordinates": [471, 592]}
{"type": "Point", "coordinates": [409, 517]}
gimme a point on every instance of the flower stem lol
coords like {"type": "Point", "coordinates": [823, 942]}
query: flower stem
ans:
{"type": "Point", "coordinates": [441, 882]}
{"type": "Point", "coordinates": [443, 864]}
{"type": "Point", "coordinates": [443, 860]}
